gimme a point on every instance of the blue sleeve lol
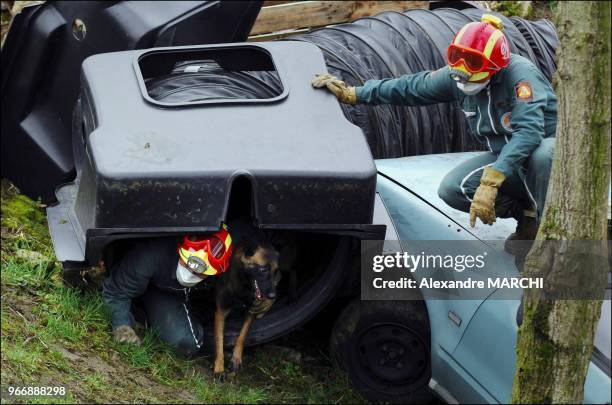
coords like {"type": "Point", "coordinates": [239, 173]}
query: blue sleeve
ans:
{"type": "Point", "coordinates": [129, 279]}
{"type": "Point", "coordinates": [422, 88]}
{"type": "Point", "coordinates": [527, 122]}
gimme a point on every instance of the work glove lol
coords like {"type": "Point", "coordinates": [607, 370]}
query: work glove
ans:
{"type": "Point", "coordinates": [344, 93]}
{"type": "Point", "coordinates": [125, 334]}
{"type": "Point", "coordinates": [483, 203]}
{"type": "Point", "coordinates": [259, 308]}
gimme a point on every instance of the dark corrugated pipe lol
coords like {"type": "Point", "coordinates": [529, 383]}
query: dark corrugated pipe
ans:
{"type": "Point", "coordinates": [389, 44]}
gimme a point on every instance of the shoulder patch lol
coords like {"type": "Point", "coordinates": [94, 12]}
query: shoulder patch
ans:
{"type": "Point", "coordinates": [523, 91]}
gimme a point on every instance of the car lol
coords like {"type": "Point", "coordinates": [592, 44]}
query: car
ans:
{"type": "Point", "coordinates": [463, 350]}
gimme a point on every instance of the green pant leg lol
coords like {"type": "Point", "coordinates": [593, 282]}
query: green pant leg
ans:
{"type": "Point", "coordinates": [459, 185]}
{"type": "Point", "coordinates": [537, 173]}
{"type": "Point", "coordinates": [169, 315]}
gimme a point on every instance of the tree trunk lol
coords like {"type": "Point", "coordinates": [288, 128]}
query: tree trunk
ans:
{"type": "Point", "coordinates": [555, 341]}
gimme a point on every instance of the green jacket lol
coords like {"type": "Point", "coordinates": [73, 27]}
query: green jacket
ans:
{"type": "Point", "coordinates": [511, 126]}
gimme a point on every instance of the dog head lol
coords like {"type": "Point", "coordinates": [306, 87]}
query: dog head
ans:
{"type": "Point", "coordinates": [260, 262]}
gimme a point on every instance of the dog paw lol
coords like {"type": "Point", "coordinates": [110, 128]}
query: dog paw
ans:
{"type": "Point", "coordinates": [219, 371]}
{"type": "Point", "coordinates": [236, 364]}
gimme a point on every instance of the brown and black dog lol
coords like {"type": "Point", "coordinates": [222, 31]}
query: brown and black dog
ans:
{"type": "Point", "coordinates": [249, 283]}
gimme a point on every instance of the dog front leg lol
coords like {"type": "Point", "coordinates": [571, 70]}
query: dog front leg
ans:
{"type": "Point", "coordinates": [239, 347]}
{"type": "Point", "coordinates": [219, 367]}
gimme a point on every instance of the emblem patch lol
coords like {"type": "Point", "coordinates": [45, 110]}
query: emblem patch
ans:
{"type": "Point", "coordinates": [523, 91]}
{"type": "Point", "coordinates": [505, 121]}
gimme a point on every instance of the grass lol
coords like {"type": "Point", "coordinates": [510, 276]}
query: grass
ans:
{"type": "Point", "coordinates": [54, 335]}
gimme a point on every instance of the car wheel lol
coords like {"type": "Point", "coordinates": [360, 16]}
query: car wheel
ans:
{"type": "Point", "coordinates": [384, 347]}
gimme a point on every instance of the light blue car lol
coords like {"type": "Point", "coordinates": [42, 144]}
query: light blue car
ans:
{"type": "Point", "coordinates": [472, 342]}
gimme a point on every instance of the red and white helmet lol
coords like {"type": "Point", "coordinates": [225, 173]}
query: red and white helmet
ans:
{"type": "Point", "coordinates": [479, 50]}
{"type": "Point", "coordinates": [206, 255]}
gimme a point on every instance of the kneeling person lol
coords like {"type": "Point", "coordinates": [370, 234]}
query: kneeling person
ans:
{"type": "Point", "coordinates": [165, 273]}
{"type": "Point", "coordinates": [509, 105]}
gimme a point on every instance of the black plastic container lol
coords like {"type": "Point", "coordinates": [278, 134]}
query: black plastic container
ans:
{"type": "Point", "coordinates": [147, 166]}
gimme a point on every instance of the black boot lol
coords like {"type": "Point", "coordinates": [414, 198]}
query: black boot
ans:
{"type": "Point", "coordinates": [526, 230]}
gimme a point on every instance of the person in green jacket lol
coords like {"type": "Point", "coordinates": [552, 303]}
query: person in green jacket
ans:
{"type": "Point", "coordinates": [508, 104]}
{"type": "Point", "coordinates": [168, 276]}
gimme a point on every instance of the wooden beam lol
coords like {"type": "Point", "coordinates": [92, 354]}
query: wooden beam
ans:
{"type": "Point", "coordinates": [276, 35]}
{"type": "Point", "coordinates": [276, 2]}
{"type": "Point", "coordinates": [309, 14]}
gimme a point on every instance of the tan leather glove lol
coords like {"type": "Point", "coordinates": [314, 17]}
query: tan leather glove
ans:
{"type": "Point", "coordinates": [483, 203]}
{"type": "Point", "coordinates": [344, 93]}
{"type": "Point", "coordinates": [125, 334]}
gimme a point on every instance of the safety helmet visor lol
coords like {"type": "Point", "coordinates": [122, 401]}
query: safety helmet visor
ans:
{"type": "Point", "coordinates": [473, 60]}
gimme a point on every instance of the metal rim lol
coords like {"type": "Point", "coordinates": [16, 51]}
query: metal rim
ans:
{"type": "Point", "coordinates": [391, 356]}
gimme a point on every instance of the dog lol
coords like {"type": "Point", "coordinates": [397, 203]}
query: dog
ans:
{"type": "Point", "coordinates": [250, 282]}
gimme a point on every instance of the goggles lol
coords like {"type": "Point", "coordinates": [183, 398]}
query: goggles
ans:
{"type": "Point", "coordinates": [206, 255]}
{"type": "Point", "coordinates": [474, 61]}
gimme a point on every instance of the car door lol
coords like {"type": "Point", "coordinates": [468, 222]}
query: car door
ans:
{"type": "Point", "coordinates": [487, 354]}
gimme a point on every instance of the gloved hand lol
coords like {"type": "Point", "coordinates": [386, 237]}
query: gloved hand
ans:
{"type": "Point", "coordinates": [344, 93]}
{"type": "Point", "coordinates": [125, 334]}
{"type": "Point", "coordinates": [483, 203]}
{"type": "Point", "coordinates": [259, 308]}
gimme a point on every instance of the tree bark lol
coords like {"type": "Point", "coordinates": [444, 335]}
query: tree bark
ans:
{"type": "Point", "coordinates": [555, 341]}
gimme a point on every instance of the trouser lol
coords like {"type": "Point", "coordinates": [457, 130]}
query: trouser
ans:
{"type": "Point", "coordinates": [518, 192]}
{"type": "Point", "coordinates": [170, 316]}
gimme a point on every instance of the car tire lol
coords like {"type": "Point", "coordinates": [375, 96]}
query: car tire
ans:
{"type": "Point", "coordinates": [384, 346]}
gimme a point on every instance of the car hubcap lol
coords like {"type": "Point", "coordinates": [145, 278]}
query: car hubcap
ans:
{"type": "Point", "coordinates": [391, 355]}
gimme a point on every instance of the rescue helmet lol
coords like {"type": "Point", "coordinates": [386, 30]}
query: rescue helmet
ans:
{"type": "Point", "coordinates": [478, 50]}
{"type": "Point", "coordinates": [206, 255]}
